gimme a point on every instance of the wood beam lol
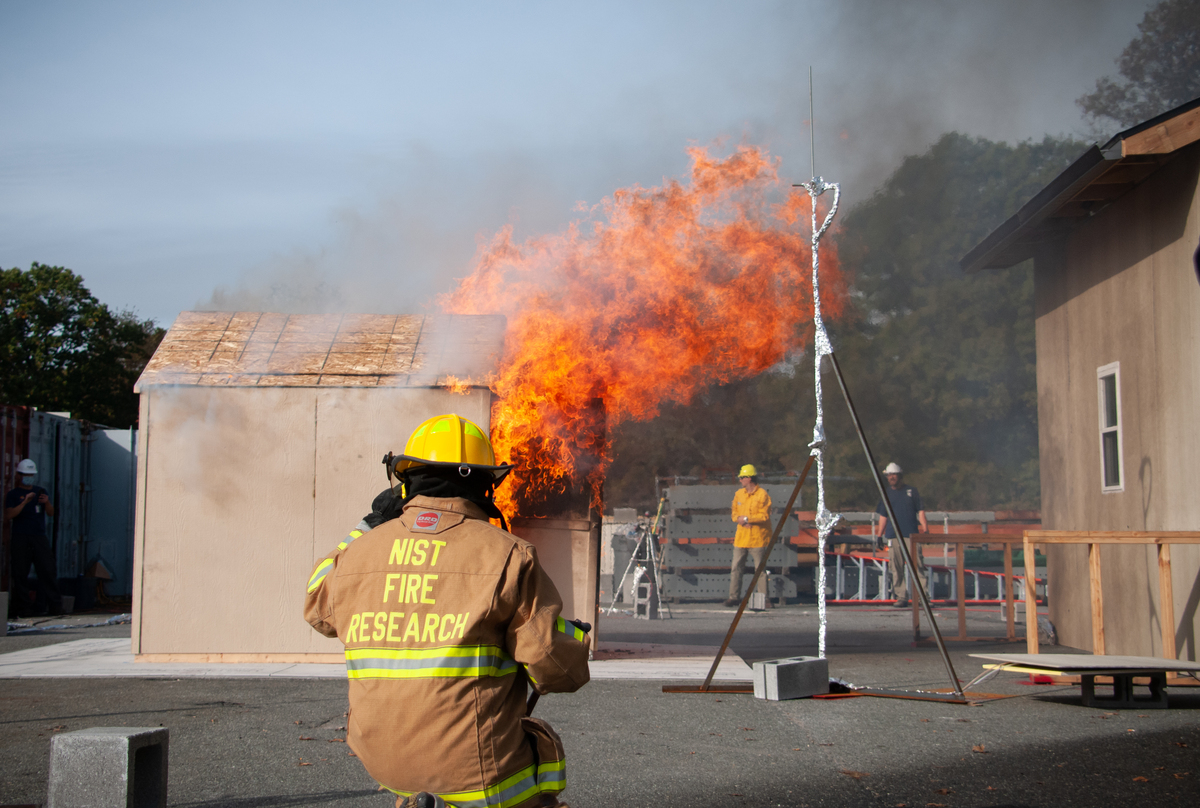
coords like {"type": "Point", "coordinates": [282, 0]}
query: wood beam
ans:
{"type": "Point", "coordinates": [1166, 601]}
{"type": "Point", "coordinates": [1169, 136]}
{"type": "Point", "coordinates": [1097, 599]}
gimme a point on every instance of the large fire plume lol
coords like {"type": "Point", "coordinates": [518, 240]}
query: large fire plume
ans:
{"type": "Point", "coordinates": [654, 296]}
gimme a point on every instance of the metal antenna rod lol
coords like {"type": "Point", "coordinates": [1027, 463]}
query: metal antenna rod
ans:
{"type": "Point", "coordinates": [812, 128]}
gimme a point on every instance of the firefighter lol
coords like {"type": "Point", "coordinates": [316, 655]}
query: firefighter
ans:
{"type": "Point", "coordinates": [445, 618]}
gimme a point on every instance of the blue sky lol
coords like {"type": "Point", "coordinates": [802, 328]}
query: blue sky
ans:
{"type": "Point", "coordinates": [308, 156]}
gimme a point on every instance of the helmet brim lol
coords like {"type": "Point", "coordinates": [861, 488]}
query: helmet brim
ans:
{"type": "Point", "coordinates": [403, 463]}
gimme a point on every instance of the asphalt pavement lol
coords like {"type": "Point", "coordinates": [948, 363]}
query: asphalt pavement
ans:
{"type": "Point", "coordinates": [279, 742]}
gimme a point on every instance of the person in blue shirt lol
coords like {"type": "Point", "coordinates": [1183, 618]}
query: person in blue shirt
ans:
{"type": "Point", "coordinates": [27, 506]}
{"type": "Point", "coordinates": [906, 502]}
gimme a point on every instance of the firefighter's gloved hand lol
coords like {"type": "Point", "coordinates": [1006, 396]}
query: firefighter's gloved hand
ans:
{"type": "Point", "coordinates": [586, 628]}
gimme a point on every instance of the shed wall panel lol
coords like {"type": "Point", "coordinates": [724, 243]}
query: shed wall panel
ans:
{"type": "Point", "coordinates": [242, 490]}
{"type": "Point", "coordinates": [228, 520]}
{"type": "Point", "coordinates": [139, 524]}
{"type": "Point", "coordinates": [568, 550]}
{"type": "Point", "coordinates": [1122, 288]}
{"type": "Point", "coordinates": [355, 428]}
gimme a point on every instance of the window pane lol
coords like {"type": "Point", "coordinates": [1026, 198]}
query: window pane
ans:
{"type": "Point", "coordinates": [1112, 469]}
{"type": "Point", "coordinates": [1110, 400]}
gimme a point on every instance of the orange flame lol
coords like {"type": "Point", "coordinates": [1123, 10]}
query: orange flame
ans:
{"type": "Point", "coordinates": [661, 293]}
{"type": "Point", "coordinates": [456, 386]}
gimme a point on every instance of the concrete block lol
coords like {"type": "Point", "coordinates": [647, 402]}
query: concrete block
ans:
{"type": "Point", "coordinates": [4, 610]}
{"type": "Point", "coordinates": [109, 767]}
{"type": "Point", "coordinates": [68, 604]}
{"type": "Point", "coordinates": [1018, 610]}
{"type": "Point", "coordinates": [792, 678]}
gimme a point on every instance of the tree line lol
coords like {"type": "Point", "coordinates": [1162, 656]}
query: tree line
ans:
{"type": "Point", "coordinates": [62, 350]}
{"type": "Point", "coordinates": [941, 364]}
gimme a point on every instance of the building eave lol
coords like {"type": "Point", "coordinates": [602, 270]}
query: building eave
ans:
{"type": "Point", "coordinates": [1100, 176]}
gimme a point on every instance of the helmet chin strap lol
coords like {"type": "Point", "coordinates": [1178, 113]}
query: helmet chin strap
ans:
{"type": "Point", "coordinates": [464, 471]}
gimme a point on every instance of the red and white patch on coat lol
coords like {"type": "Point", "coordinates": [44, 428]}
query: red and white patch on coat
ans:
{"type": "Point", "coordinates": [426, 520]}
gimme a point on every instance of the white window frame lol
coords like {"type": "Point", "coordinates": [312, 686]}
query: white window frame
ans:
{"type": "Point", "coordinates": [1111, 370]}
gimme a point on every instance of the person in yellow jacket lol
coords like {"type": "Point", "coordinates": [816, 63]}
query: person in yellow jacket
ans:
{"type": "Point", "coordinates": [446, 620]}
{"type": "Point", "coordinates": [751, 511]}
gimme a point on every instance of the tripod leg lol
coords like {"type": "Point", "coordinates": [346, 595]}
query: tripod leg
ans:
{"type": "Point", "coordinates": [628, 567]}
{"type": "Point", "coordinates": [657, 567]}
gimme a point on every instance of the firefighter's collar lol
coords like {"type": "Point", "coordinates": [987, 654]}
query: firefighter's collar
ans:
{"type": "Point", "coordinates": [448, 505]}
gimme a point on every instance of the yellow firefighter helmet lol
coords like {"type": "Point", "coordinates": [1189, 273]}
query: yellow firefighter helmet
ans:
{"type": "Point", "coordinates": [452, 441]}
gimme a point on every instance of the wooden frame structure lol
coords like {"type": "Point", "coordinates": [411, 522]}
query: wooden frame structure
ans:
{"type": "Point", "coordinates": [960, 542]}
{"type": "Point", "coordinates": [1093, 539]}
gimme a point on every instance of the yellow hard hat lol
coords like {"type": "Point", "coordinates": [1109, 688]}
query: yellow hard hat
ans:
{"type": "Point", "coordinates": [747, 471]}
{"type": "Point", "coordinates": [448, 440]}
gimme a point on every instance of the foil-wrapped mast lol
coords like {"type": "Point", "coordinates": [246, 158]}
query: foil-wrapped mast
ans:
{"type": "Point", "coordinates": [826, 521]}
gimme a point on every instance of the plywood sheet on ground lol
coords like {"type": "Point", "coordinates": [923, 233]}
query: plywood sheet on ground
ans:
{"type": "Point", "coordinates": [1091, 663]}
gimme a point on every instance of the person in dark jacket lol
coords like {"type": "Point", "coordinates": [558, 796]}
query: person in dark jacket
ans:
{"type": "Point", "coordinates": [27, 506]}
{"type": "Point", "coordinates": [906, 502]}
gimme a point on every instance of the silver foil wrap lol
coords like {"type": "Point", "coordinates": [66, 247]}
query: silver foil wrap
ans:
{"type": "Point", "coordinates": [825, 520]}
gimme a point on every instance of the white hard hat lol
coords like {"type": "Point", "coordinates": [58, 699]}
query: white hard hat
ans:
{"type": "Point", "coordinates": [892, 468]}
{"type": "Point", "coordinates": [27, 466]}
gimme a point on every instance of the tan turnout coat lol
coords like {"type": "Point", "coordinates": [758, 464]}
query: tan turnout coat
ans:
{"type": "Point", "coordinates": [444, 616]}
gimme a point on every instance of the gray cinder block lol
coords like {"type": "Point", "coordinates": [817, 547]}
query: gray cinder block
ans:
{"type": "Point", "coordinates": [792, 678]}
{"type": "Point", "coordinates": [109, 767]}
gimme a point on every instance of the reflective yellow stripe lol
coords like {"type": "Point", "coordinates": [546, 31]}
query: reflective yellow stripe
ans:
{"type": "Point", "coordinates": [319, 574]}
{"type": "Point", "coordinates": [570, 629]}
{"type": "Point", "coordinates": [510, 791]}
{"type": "Point", "coordinates": [344, 543]}
{"type": "Point", "coordinates": [552, 776]}
{"type": "Point", "coordinates": [428, 663]}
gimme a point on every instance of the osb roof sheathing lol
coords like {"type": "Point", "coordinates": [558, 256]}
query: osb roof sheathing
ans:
{"type": "Point", "coordinates": [257, 349]}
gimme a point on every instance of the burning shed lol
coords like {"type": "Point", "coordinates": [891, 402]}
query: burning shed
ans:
{"type": "Point", "coordinates": [260, 444]}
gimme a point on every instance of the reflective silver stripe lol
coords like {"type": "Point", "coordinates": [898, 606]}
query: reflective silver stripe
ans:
{"type": "Point", "coordinates": [433, 663]}
{"type": "Point", "coordinates": [552, 777]}
{"type": "Point", "coordinates": [354, 534]}
{"type": "Point", "coordinates": [319, 574]}
{"type": "Point", "coordinates": [570, 629]}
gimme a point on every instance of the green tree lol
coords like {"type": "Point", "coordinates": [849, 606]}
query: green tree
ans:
{"type": "Point", "coordinates": [940, 364]}
{"type": "Point", "coordinates": [1160, 68]}
{"type": "Point", "coordinates": [61, 349]}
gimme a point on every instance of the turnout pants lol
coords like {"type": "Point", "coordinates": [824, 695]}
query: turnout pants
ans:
{"type": "Point", "coordinates": [735, 570]}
